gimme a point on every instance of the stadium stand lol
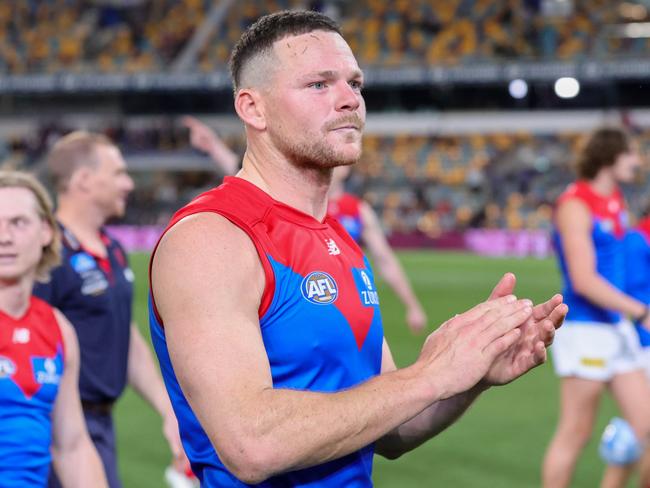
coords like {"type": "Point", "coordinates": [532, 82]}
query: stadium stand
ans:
{"type": "Point", "coordinates": [429, 183]}
{"type": "Point", "coordinates": [55, 36]}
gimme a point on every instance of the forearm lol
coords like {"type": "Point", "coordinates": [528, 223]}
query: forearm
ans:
{"type": "Point", "coordinates": [226, 159]}
{"type": "Point", "coordinates": [600, 292]}
{"type": "Point", "coordinates": [144, 377]}
{"type": "Point", "coordinates": [79, 465]}
{"type": "Point", "coordinates": [392, 272]}
{"type": "Point", "coordinates": [429, 423]}
{"type": "Point", "coordinates": [337, 423]}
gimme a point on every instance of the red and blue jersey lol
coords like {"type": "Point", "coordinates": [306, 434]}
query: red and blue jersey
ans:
{"type": "Point", "coordinates": [637, 269]}
{"type": "Point", "coordinates": [31, 366]}
{"type": "Point", "coordinates": [346, 210]}
{"type": "Point", "coordinates": [319, 318]}
{"type": "Point", "coordinates": [95, 294]}
{"type": "Point", "coordinates": [609, 224]}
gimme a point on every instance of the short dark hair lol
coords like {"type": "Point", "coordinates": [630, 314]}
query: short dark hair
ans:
{"type": "Point", "coordinates": [600, 150]}
{"type": "Point", "coordinates": [261, 35]}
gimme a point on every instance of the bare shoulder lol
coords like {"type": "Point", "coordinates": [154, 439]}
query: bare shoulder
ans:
{"type": "Point", "coordinates": [68, 334]}
{"type": "Point", "coordinates": [207, 238]}
{"type": "Point", "coordinates": [571, 213]}
{"type": "Point", "coordinates": [67, 330]}
{"type": "Point", "coordinates": [201, 254]}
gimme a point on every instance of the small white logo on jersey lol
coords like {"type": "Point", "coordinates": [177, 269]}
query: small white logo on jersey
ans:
{"type": "Point", "coordinates": [49, 376]}
{"type": "Point", "coordinates": [21, 336]}
{"type": "Point", "coordinates": [613, 206]}
{"type": "Point", "coordinates": [7, 367]}
{"type": "Point", "coordinates": [332, 248]}
{"type": "Point", "coordinates": [366, 280]}
{"type": "Point", "coordinates": [607, 225]}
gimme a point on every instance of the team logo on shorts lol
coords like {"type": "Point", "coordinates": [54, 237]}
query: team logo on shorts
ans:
{"type": "Point", "coordinates": [320, 288]}
{"type": "Point", "coordinates": [7, 367]}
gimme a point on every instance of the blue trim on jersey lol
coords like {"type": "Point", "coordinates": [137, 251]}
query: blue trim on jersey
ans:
{"type": "Point", "coordinates": [609, 264]}
{"type": "Point", "coordinates": [310, 347]}
{"type": "Point", "coordinates": [637, 274]}
{"type": "Point", "coordinates": [26, 426]}
{"type": "Point", "coordinates": [352, 225]}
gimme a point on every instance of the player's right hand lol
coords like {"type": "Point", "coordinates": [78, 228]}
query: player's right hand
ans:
{"type": "Point", "coordinates": [460, 352]}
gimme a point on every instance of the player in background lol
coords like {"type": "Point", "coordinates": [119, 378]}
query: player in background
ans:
{"type": "Point", "coordinates": [637, 277]}
{"type": "Point", "coordinates": [362, 223]}
{"type": "Point", "coordinates": [596, 348]}
{"type": "Point", "coordinates": [205, 139]}
{"type": "Point", "coordinates": [93, 288]}
{"type": "Point", "coordinates": [40, 412]}
{"type": "Point", "coordinates": [356, 216]}
{"type": "Point", "coordinates": [264, 313]}
{"type": "Point", "coordinates": [618, 443]}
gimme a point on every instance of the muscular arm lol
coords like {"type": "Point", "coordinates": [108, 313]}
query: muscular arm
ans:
{"type": "Point", "coordinates": [389, 267]}
{"type": "Point", "coordinates": [75, 459]}
{"type": "Point", "coordinates": [575, 225]}
{"type": "Point", "coordinates": [430, 422]}
{"type": "Point", "coordinates": [208, 283]}
{"type": "Point", "coordinates": [528, 352]}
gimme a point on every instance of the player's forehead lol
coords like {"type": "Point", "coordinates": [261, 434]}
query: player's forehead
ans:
{"type": "Point", "coordinates": [315, 52]}
{"type": "Point", "coordinates": [16, 202]}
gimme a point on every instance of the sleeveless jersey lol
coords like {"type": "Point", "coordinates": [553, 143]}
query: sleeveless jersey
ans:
{"type": "Point", "coordinates": [346, 210]}
{"type": "Point", "coordinates": [609, 223]}
{"type": "Point", "coordinates": [637, 269]}
{"type": "Point", "coordinates": [319, 318]}
{"type": "Point", "coordinates": [31, 365]}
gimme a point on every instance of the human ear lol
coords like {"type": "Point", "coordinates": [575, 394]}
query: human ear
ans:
{"type": "Point", "coordinates": [250, 108]}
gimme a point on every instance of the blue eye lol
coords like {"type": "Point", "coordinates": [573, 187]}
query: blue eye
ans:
{"type": "Point", "coordinates": [356, 85]}
{"type": "Point", "coordinates": [319, 85]}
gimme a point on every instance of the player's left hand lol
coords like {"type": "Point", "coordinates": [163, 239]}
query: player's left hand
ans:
{"type": "Point", "coordinates": [537, 334]}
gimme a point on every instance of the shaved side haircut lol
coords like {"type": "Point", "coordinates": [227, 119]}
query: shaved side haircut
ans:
{"type": "Point", "coordinates": [250, 61]}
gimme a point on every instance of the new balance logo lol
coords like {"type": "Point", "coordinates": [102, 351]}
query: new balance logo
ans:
{"type": "Point", "coordinates": [332, 248]}
{"type": "Point", "coordinates": [21, 336]}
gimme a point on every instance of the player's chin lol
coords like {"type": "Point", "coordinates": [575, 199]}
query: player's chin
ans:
{"type": "Point", "coordinates": [349, 153]}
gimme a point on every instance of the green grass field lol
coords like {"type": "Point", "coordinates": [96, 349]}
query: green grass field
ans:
{"type": "Point", "coordinates": [500, 442]}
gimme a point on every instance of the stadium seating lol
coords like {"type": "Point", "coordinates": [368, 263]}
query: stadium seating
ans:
{"type": "Point", "coordinates": [432, 184]}
{"type": "Point", "coordinates": [55, 36]}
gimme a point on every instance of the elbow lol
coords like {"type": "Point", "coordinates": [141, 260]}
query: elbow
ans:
{"type": "Point", "coordinates": [390, 454]}
{"type": "Point", "coordinates": [249, 461]}
{"type": "Point", "coordinates": [389, 448]}
{"type": "Point", "coordinates": [581, 287]}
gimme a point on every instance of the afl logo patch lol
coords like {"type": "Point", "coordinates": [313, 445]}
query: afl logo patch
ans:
{"type": "Point", "coordinates": [320, 288]}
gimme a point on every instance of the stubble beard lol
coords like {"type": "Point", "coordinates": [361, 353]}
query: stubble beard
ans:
{"type": "Point", "coordinates": [317, 155]}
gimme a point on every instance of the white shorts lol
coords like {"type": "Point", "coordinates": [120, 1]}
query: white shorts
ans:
{"type": "Point", "coordinates": [596, 351]}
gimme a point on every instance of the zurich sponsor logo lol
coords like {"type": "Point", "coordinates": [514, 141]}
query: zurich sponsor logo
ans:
{"type": "Point", "coordinates": [82, 261]}
{"type": "Point", "coordinates": [7, 367]}
{"type": "Point", "coordinates": [46, 372]}
{"type": "Point", "coordinates": [320, 288]}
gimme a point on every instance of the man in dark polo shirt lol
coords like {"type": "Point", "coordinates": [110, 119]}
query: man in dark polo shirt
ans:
{"type": "Point", "coordinates": [93, 287]}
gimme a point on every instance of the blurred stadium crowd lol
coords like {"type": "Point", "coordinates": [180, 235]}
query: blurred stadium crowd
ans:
{"type": "Point", "coordinates": [431, 183]}
{"type": "Point", "coordinates": [140, 35]}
